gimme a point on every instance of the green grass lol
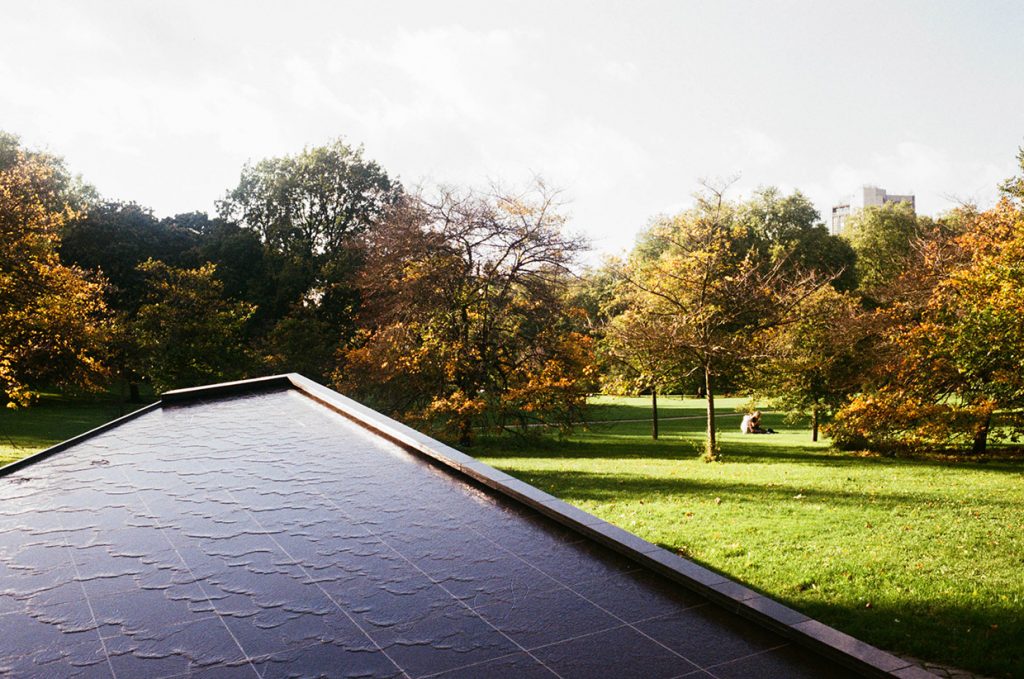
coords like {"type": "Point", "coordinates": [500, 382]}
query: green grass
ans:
{"type": "Point", "coordinates": [53, 419]}
{"type": "Point", "coordinates": [918, 557]}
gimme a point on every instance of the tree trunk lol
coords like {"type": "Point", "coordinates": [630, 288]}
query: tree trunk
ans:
{"type": "Point", "coordinates": [710, 452]}
{"type": "Point", "coordinates": [981, 437]}
{"type": "Point", "coordinates": [654, 413]}
{"type": "Point", "coordinates": [814, 423]}
{"type": "Point", "coordinates": [465, 431]}
{"type": "Point", "coordinates": [133, 392]}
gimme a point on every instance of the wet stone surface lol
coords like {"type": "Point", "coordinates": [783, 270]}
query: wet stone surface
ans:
{"type": "Point", "coordinates": [268, 536]}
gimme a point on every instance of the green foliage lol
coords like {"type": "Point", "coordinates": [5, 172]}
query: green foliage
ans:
{"type": "Point", "coordinates": [114, 238]}
{"type": "Point", "coordinates": [790, 228]}
{"type": "Point", "coordinates": [883, 238]}
{"type": "Point", "coordinates": [241, 266]}
{"type": "Point", "coordinates": [311, 203]}
{"type": "Point", "coordinates": [185, 332]}
{"type": "Point", "coordinates": [308, 211]}
{"type": "Point", "coordinates": [1013, 188]}
{"type": "Point", "coordinates": [813, 365]}
{"type": "Point", "coordinates": [301, 342]}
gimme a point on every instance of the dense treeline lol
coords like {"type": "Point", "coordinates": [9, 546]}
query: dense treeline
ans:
{"type": "Point", "coordinates": [460, 309]}
{"type": "Point", "coordinates": [903, 335]}
{"type": "Point", "coordinates": [447, 309]}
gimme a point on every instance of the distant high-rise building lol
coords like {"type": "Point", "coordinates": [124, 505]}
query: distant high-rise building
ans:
{"type": "Point", "coordinates": [867, 197]}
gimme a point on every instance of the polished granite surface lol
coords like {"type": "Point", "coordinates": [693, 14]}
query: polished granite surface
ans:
{"type": "Point", "coordinates": [268, 536]}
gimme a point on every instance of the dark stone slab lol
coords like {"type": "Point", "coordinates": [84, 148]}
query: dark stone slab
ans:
{"type": "Point", "coordinates": [629, 652]}
{"type": "Point", "coordinates": [515, 666]}
{"type": "Point", "coordinates": [248, 530]}
{"type": "Point", "coordinates": [709, 636]}
{"type": "Point", "coordinates": [782, 663]}
{"type": "Point", "coordinates": [547, 618]}
{"type": "Point", "coordinates": [318, 660]}
{"type": "Point", "coordinates": [638, 595]}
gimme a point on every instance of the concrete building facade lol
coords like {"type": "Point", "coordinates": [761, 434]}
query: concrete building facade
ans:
{"type": "Point", "coordinates": [868, 196]}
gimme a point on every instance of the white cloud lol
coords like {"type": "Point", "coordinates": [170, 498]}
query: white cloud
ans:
{"type": "Point", "coordinates": [622, 71]}
{"type": "Point", "coordinates": [162, 103]}
{"type": "Point", "coordinates": [751, 148]}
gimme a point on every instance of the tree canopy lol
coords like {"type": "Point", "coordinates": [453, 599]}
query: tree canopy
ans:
{"type": "Point", "coordinates": [52, 316]}
{"type": "Point", "coordinates": [956, 344]}
{"type": "Point", "coordinates": [308, 211]}
{"type": "Point", "coordinates": [464, 317]}
{"type": "Point", "coordinates": [309, 204]}
{"type": "Point", "coordinates": [185, 331]}
{"type": "Point", "coordinates": [463, 311]}
{"type": "Point", "coordinates": [713, 284]}
{"type": "Point", "coordinates": [883, 238]}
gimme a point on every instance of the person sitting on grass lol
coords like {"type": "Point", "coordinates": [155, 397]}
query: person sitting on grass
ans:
{"type": "Point", "coordinates": [755, 424]}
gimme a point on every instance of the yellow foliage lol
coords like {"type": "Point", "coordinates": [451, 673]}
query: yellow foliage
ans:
{"type": "Point", "coordinates": [53, 321]}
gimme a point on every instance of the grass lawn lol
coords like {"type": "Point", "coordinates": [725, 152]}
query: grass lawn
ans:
{"type": "Point", "coordinates": [53, 419]}
{"type": "Point", "coordinates": [918, 557]}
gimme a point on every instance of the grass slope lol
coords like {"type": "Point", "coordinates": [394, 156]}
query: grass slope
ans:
{"type": "Point", "coordinates": [918, 557]}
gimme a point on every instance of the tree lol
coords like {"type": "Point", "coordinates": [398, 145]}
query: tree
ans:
{"type": "Point", "coordinates": [1013, 188]}
{"type": "Point", "coordinates": [53, 321]}
{"type": "Point", "coordinates": [300, 342]}
{"type": "Point", "coordinates": [702, 275]}
{"type": "Point", "coordinates": [956, 348]}
{"type": "Point", "coordinates": [813, 365]}
{"type": "Point", "coordinates": [240, 260]}
{"type": "Point", "coordinates": [464, 318]}
{"type": "Point", "coordinates": [112, 238]}
{"type": "Point", "coordinates": [790, 227]}
{"type": "Point", "coordinates": [311, 203]}
{"type": "Point", "coordinates": [640, 355]}
{"type": "Point", "coordinates": [883, 238]}
{"type": "Point", "coordinates": [309, 211]}
{"type": "Point", "coordinates": [185, 333]}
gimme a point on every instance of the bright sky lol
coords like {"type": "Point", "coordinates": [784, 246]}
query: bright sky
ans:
{"type": "Point", "coordinates": [624, 105]}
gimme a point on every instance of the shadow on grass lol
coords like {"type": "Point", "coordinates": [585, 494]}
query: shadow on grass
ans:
{"type": "Point", "coordinates": [666, 409]}
{"type": "Point", "coordinates": [986, 639]}
{"type": "Point", "coordinates": [683, 440]}
{"type": "Point", "coordinates": [576, 486]}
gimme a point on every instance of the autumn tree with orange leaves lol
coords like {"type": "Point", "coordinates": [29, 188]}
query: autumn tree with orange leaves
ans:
{"type": "Point", "coordinates": [956, 347]}
{"type": "Point", "coordinates": [463, 322]}
{"type": "Point", "coordinates": [53, 322]}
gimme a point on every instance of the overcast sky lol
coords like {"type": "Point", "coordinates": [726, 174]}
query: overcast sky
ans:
{"type": "Point", "coordinates": [624, 105]}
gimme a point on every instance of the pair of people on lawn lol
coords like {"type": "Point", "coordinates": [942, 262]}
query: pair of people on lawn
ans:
{"type": "Point", "coordinates": [751, 424]}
